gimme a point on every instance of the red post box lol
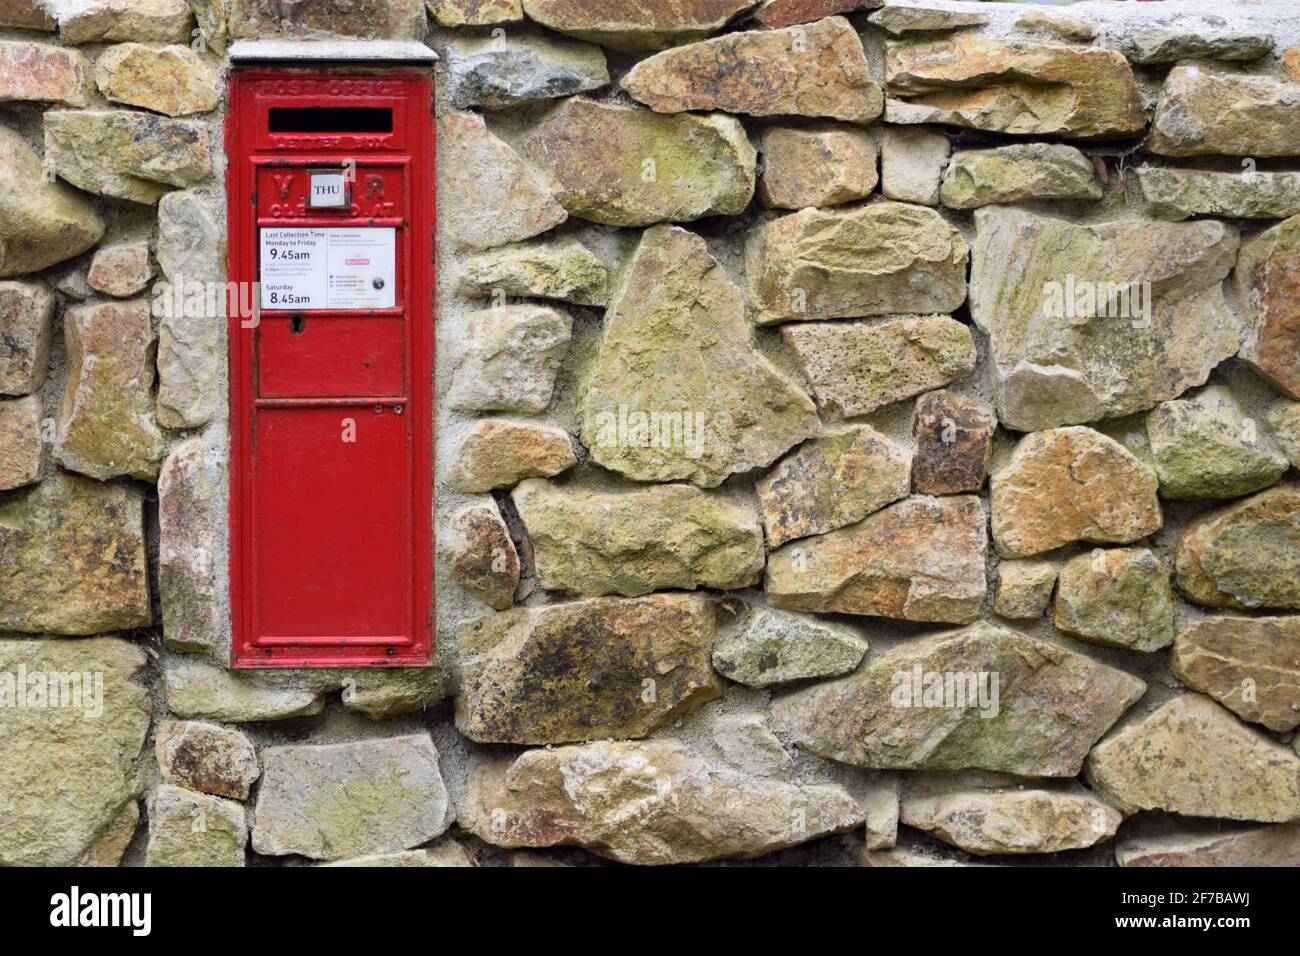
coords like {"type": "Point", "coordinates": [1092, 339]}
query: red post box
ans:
{"type": "Point", "coordinates": [331, 207]}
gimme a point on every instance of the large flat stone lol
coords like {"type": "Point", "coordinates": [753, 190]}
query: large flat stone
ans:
{"type": "Point", "coordinates": [563, 269]}
{"type": "Point", "coordinates": [631, 26]}
{"type": "Point", "coordinates": [763, 647]}
{"type": "Point", "coordinates": [194, 829]}
{"type": "Point", "coordinates": [107, 426]}
{"type": "Point", "coordinates": [775, 14]}
{"type": "Point", "coordinates": [1268, 284]}
{"type": "Point", "coordinates": [1007, 174]}
{"type": "Point", "coordinates": [589, 541]}
{"type": "Point", "coordinates": [817, 70]}
{"type": "Point", "coordinates": [1161, 45]}
{"type": "Point", "coordinates": [322, 19]}
{"type": "Point", "coordinates": [1244, 556]}
{"type": "Point", "coordinates": [857, 367]}
{"type": "Point", "coordinates": [127, 154]}
{"type": "Point", "coordinates": [1212, 112]}
{"type": "Point", "coordinates": [41, 222]}
{"type": "Point", "coordinates": [1013, 86]}
{"type": "Point", "coordinates": [677, 389]}
{"type": "Point", "coordinates": [509, 359]}
{"type": "Point", "coordinates": [611, 667]}
{"type": "Point", "coordinates": [1067, 485]}
{"type": "Point", "coordinates": [1251, 665]}
{"type": "Point", "coordinates": [649, 802]}
{"type": "Point", "coordinates": [1181, 193]}
{"type": "Point", "coordinates": [1051, 706]}
{"type": "Point", "coordinates": [500, 453]}
{"type": "Point", "coordinates": [488, 196]}
{"type": "Point", "coordinates": [832, 481]}
{"type": "Point", "coordinates": [1097, 321]}
{"type": "Point", "coordinates": [115, 21]}
{"type": "Point", "coordinates": [1207, 844]}
{"type": "Point", "coordinates": [70, 771]}
{"type": "Point", "coordinates": [628, 166]}
{"type": "Point", "coordinates": [74, 554]}
{"type": "Point", "coordinates": [921, 559]}
{"type": "Point", "coordinates": [1194, 758]}
{"type": "Point", "coordinates": [823, 166]}
{"type": "Point", "coordinates": [495, 72]}
{"type": "Point", "coordinates": [173, 79]}
{"type": "Point", "coordinates": [333, 801]}
{"type": "Point", "coordinates": [41, 73]}
{"type": "Point", "coordinates": [881, 258]}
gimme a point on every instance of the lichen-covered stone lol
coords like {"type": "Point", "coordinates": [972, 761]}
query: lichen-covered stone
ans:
{"type": "Point", "coordinates": [815, 70]}
{"type": "Point", "coordinates": [363, 19]}
{"type": "Point", "coordinates": [902, 20]}
{"type": "Point", "coordinates": [1284, 421]}
{"type": "Point", "coordinates": [831, 481]}
{"type": "Point", "coordinates": [590, 542]}
{"type": "Point", "coordinates": [1177, 194]}
{"type": "Point", "coordinates": [632, 26]}
{"type": "Point", "coordinates": [651, 802]}
{"type": "Point", "coordinates": [1024, 588]}
{"type": "Point", "coordinates": [333, 801]}
{"type": "Point", "coordinates": [981, 177]}
{"type": "Point", "coordinates": [483, 556]}
{"type": "Point", "coordinates": [487, 195]}
{"type": "Point", "coordinates": [475, 13]}
{"type": "Point", "coordinates": [194, 829]}
{"type": "Point", "coordinates": [1194, 758]}
{"type": "Point", "coordinates": [1071, 484]}
{"type": "Point", "coordinates": [921, 559]}
{"type": "Point", "coordinates": [496, 72]}
{"type": "Point", "coordinates": [509, 360]}
{"type": "Point", "coordinates": [611, 667]}
{"type": "Point", "coordinates": [445, 853]}
{"type": "Point", "coordinates": [815, 167]}
{"type": "Point", "coordinates": [628, 166]}
{"type": "Point", "coordinates": [107, 426]}
{"type": "Point", "coordinates": [26, 326]}
{"type": "Point", "coordinates": [1212, 112]}
{"type": "Point", "coordinates": [857, 367]}
{"type": "Point", "coordinates": [28, 15]}
{"type": "Point", "coordinates": [74, 557]}
{"type": "Point", "coordinates": [912, 161]}
{"type": "Point", "coordinates": [206, 758]}
{"type": "Point", "coordinates": [954, 441]}
{"type": "Point", "coordinates": [901, 710]}
{"type": "Point", "coordinates": [41, 222]}
{"type": "Point", "coordinates": [121, 270]}
{"type": "Point", "coordinates": [764, 646]}
{"type": "Point", "coordinates": [211, 16]}
{"type": "Point", "coordinates": [22, 446]}
{"type": "Point", "coordinates": [1063, 26]}
{"type": "Point", "coordinates": [172, 79]}
{"type": "Point", "coordinates": [677, 390]}
{"type": "Point", "coordinates": [1095, 321]}
{"type": "Point", "coordinates": [196, 688]}
{"type": "Point", "coordinates": [115, 21]}
{"type": "Point", "coordinates": [561, 269]}
{"type": "Point", "coordinates": [191, 339]}
{"type": "Point", "coordinates": [987, 820]}
{"type": "Point", "coordinates": [1206, 447]}
{"type": "Point", "coordinates": [127, 154]}
{"type": "Point", "coordinates": [1013, 86]}
{"type": "Point", "coordinates": [1268, 284]}
{"type": "Point", "coordinates": [381, 693]}
{"type": "Point", "coordinates": [1206, 844]}
{"type": "Point", "coordinates": [70, 772]}
{"type": "Point", "coordinates": [880, 258]}
{"type": "Point", "coordinates": [500, 453]}
{"type": "Point", "coordinates": [1251, 665]}
{"type": "Point", "coordinates": [775, 14]}
{"type": "Point", "coordinates": [1120, 597]}
{"type": "Point", "coordinates": [1161, 45]}
{"type": "Point", "coordinates": [191, 483]}
{"type": "Point", "coordinates": [1246, 555]}
{"type": "Point", "coordinates": [41, 73]}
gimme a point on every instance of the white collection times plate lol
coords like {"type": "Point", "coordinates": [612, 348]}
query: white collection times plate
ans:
{"type": "Point", "coordinates": [334, 268]}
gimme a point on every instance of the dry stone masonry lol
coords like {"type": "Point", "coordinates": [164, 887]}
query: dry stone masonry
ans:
{"type": "Point", "coordinates": [866, 430]}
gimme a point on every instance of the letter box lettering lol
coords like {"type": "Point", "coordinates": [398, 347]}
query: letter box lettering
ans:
{"type": "Point", "coordinates": [330, 197]}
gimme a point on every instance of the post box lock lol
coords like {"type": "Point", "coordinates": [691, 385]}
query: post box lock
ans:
{"type": "Point", "coordinates": [331, 508]}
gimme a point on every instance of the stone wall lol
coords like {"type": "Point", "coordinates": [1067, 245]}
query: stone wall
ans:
{"type": "Point", "coordinates": [865, 435]}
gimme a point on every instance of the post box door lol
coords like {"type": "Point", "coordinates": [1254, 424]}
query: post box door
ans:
{"type": "Point", "coordinates": [330, 191]}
